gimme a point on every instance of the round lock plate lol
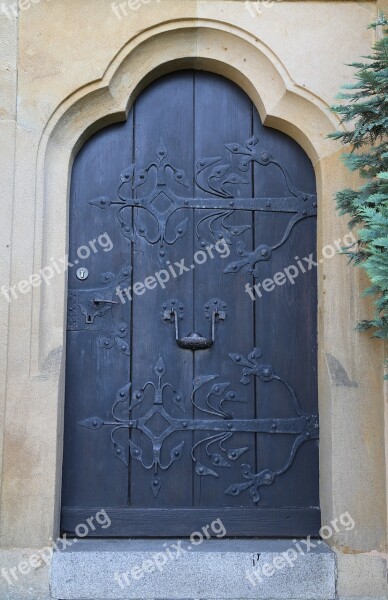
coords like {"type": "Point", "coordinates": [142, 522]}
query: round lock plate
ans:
{"type": "Point", "coordinates": [82, 273]}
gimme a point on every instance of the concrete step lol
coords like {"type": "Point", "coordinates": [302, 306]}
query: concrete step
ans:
{"type": "Point", "coordinates": [222, 569]}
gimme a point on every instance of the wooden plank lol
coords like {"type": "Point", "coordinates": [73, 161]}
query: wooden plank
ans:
{"type": "Point", "coordinates": [172, 522]}
{"type": "Point", "coordinates": [222, 116]}
{"type": "Point", "coordinates": [163, 113]}
{"type": "Point", "coordinates": [286, 324]}
{"type": "Point", "coordinates": [91, 473]}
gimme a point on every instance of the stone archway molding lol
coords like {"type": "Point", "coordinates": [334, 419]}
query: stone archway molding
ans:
{"type": "Point", "coordinates": [193, 43]}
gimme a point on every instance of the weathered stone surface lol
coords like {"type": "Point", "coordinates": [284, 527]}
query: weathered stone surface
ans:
{"type": "Point", "coordinates": [24, 575]}
{"type": "Point", "coordinates": [8, 95]}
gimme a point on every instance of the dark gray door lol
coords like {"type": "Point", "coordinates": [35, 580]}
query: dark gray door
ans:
{"type": "Point", "coordinates": [191, 395]}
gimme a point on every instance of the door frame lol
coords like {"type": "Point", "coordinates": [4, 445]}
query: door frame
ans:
{"type": "Point", "coordinates": [281, 104]}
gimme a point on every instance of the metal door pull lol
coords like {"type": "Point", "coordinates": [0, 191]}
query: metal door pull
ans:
{"type": "Point", "coordinates": [215, 312]}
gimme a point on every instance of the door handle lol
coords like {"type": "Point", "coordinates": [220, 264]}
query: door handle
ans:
{"type": "Point", "coordinates": [215, 312]}
{"type": "Point", "coordinates": [103, 301]}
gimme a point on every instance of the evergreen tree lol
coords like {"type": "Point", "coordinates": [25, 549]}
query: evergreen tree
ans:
{"type": "Point", "coordinates": [365, 109]}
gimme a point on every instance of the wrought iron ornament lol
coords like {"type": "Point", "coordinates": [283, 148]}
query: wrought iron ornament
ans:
{"type": "Point", "coordinates": [85, 304]}
{"type": "Point", "coordinates": [217, 181]}
{"type": "Point", "coordinates": [115, 338]}
{"type": "Point", "coordinates": [158, 424]}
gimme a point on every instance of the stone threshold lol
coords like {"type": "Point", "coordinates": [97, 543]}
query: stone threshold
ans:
{"type": "Point", "coordinates": [216, 569]}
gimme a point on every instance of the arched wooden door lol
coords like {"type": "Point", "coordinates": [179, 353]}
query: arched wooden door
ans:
{"type": "Point", "coordinates": [191, 395]}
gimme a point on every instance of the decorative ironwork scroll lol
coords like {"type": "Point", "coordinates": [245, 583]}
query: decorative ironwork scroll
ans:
{"type": "Point", "coordinates": [216, 179]}
{"type": "Point", "coordinates": [214, 402]}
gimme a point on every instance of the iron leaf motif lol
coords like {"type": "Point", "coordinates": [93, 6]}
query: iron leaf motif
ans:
{"type": "Point", "coordinates": [220, 429]}
{"type": "Point", "coordinates": [109, 339]}
{"type": "Point", "coordinates": [217, 178]}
